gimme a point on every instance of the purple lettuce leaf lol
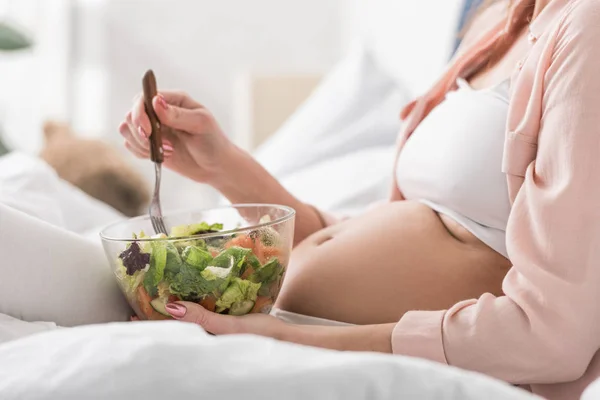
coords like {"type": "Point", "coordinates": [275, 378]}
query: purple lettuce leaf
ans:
{"type": "Point", "coordinates": [133, 259]}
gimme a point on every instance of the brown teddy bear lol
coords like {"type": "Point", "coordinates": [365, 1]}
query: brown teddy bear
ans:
{"type": "Point", "coordinates": [96, 168]}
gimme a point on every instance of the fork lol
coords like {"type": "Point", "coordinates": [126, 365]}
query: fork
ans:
{"type": "Point", "coordinates": [156, 151]}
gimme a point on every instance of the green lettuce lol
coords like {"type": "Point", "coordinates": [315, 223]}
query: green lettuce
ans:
{"type": "Point", "coordinates": [222, 277]}
{"type": "Point", "coordinates": [238, 291]}
{"type": "Point", "coordinates": [173, 262]}
{"type": "Point", "coordinates": [267, 273]}
{"type": "Point", "coordinates": [156, 272]}
{"type": "Point", "coordinates": [232, 257]}
{"type": "Point", "coordinates": [195, 229]}
{"type": "Point", "coordinates": [253, 262]}
{"type": "Point", "coordinates": [196, 257]}
{"type": "Point", "coordinates": [193, 282]}
{"type": "Point", "coordinates": [182, 244]}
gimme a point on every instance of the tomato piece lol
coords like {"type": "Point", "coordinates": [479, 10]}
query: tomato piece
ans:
{"type": "Point", "coordinates": [262, 303]}
{"type": "Point", "coordinates": [244, 241]}
{"type": "Point", "coordinates": [209, 302]}
{"type": "Point", "coordinates": [249, 271]}
{"type": "Point", "coordinates": [144, 299]}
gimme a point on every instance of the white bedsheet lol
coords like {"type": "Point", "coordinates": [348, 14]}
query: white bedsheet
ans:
{"type": "Point", "coordinates": [173, 360]}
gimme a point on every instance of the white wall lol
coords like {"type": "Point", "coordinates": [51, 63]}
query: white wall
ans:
{"type": "Point", "coordinates": [196, 45]}
{"type": "Point", "coordinates": [412, 40]}
{"type": "Point", "coordinates": [90, 56]}
{"type": "Point", "coordinates": [33, 82]}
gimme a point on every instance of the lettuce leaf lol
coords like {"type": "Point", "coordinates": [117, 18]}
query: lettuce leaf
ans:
{"type": "Point", "coordinates": [195, 229]}
{"type": "Point", "coordinates": [253, 262]}
{"type": "Point", "coordinates": [190, 285]}
{"type": "Point", "coordinates": [238, 291]}
{"type": "Point", "coordinates": [232, 257]}
{"type": "Point", "coordinates": [196, 257]}
{"type": "Point", "coordinates": [156, 272]}
{"type": "Point", "coordinates": [129, 282]}
{"type": "Point", "coordinates": [267, 273]}
{"type": "Point", "coordinates": [173, 261]}
{"type": "Point", "coordinates": [134, 259]}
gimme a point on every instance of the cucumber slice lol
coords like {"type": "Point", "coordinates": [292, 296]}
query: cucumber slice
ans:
{"type": "Point", "coordinates": [159, 305]}
{"type": "Point", "coordinates": [241, 307]}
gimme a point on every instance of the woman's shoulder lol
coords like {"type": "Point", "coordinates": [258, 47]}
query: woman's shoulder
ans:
{"type": "Point", "coordinates": [577, 31]}
{"type": "Point", "coordinates": [581, 16]}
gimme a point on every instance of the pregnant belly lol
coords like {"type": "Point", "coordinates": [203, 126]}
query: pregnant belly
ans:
{"type": "Point", "coordinates": [399, 257]}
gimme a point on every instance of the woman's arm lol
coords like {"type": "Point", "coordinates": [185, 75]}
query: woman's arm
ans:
{"type": "Point", "coordinates": [373, 338]}
{"type": "Point", "coordinates": [244, 180]}
{"type": "Point", "coordinates": [196, 147]}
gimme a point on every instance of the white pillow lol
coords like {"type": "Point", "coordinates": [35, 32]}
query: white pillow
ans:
{"type": "Point", "coordinates": [30, 185]}
{"type": "Point", "coordinates": [173, 360]}
{"type": "Point", "coordinates": [356, 106]}
{"type": "Point", "coordinates": [411, 41]}
{"type": "Point", "coordinates": [347, 183]}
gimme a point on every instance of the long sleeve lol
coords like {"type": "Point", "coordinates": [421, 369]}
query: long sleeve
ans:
{"type": "Point", "coordinates": [546, 328]}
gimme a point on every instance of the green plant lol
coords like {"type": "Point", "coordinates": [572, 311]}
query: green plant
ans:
{"type": "Point", "coordinates": [12, 39]}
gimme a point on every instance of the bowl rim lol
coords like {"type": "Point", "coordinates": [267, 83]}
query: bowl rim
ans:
{"type": "Point", "coordinates": [291, 213]}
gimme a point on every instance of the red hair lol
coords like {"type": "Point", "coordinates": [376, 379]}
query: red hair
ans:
{"type": "Point", "coordinates": [521, 16]}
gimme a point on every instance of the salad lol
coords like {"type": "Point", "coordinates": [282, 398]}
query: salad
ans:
{"type": "Point", "coordinates": [234, 275]}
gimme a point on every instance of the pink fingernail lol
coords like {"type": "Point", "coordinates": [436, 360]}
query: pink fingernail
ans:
{"type": "Point", "coordinates": [162, 101]}
{"type": "Point", "coordinates": [176, 310]}
{"type": "Point", "coordinates": [167, 147]}
{"type": "Point", "coordinates": [142, 132]}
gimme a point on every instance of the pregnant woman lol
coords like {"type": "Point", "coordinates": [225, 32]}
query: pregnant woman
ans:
{"type": "Point", "coordinates": [494, 215]}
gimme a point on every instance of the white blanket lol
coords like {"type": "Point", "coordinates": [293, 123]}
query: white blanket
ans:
{"type": "Point", "coordinates": [173, 360]}
{"type": "Point", "coordinates": [50, 270]}
{"type": "Point", "coordinates": [30, 185]}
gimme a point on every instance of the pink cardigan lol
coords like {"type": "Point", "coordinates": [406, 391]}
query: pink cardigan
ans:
{"type": "Point", "coordinates": [544, 333]}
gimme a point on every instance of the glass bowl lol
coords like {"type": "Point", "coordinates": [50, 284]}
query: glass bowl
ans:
{"type": "Point", "coordinates": [230, 260]}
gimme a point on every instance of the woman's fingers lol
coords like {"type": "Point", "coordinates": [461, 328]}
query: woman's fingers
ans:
{"type": "Point", "coordinates": [182, 119]}
{"type": "Point", "coordinates": [139, 153]}
{"type": "Point", "coordinates": [141, 150]}
{"type": "Point", "coordinates": [196, 314]}
{"type": "Point", "coordinates": [177, 99]}
{"type": "Point", "coordinates": [138, 135]}
{"type": "Point", "coordinates": [127, 130]}
{"type": "Point", "coordinates": [140, 119]}
{"type": "Point", "coordinates": [180, 99]}
{"type": "Point", "coordinates": [218, 324]}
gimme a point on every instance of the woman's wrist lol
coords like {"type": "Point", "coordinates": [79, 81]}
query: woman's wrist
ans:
{"type": "Point", "coordinates": [223, 175]}
{"type": "Point", "coordinates": [241, 179]}
{"type": "Point", "coordinates": [372, 338]}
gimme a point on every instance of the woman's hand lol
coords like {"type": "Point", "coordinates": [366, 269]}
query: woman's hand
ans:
{"type": "Point", "coordinates": [218, 324]}
{"type": "Point", "coordinates": [376, 338]}
{"type": "Point", "coordinates": [194, 144]}
{"type": "Point", "coordinates": [196, 147]}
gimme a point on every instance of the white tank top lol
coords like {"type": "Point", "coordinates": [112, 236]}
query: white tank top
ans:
{"type": "Point", "coordinates": [452, 162]}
